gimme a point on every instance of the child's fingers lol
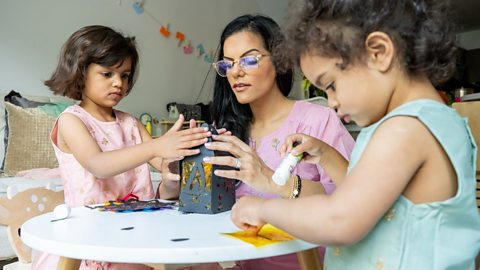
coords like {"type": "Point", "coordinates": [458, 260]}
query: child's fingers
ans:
{"type": "Point", "coordinates": [195, 130]}
{"type": "Point", "coordinates": [301, 148]}
{"type": "Point", "coordinates": [170, 177]}
{"type": "Point", "coordinates": [178, 124]}
{"type": "Point", "coordinates": [193, 123]}
{"type": "Point", "coordinates": [195, 136]}
{"type": "Point", "coordinates": [283, 150]}
{"type": "Point", "coordinates": [289, 141]}
{"type": "Point", "coordinates": [191, 143]}
{"type": "Point", "coordinates": [297, 140]}
{"type": "Point", "coordinates": [170, 160]}
{"type": "Point", "coordinates": [252, 228]}
{"type": "Point", "coordinates": [188, 152]}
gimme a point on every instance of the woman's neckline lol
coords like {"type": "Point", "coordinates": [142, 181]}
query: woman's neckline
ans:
{"type": "Point", "coordinates": [258, 141]}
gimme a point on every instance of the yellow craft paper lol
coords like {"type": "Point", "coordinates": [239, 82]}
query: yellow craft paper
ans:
{"type": "Point", "coordinates": [267, 235]}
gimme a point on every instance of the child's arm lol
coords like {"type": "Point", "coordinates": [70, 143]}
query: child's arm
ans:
{"type": "Point", "coordinates": [169, 188]}
{"type": "Point", "coordinates": [317, 152]}
{"type": "Point", "coordinates": [76, 139]}
{"type": "Point", "coordinates": [396, 153]}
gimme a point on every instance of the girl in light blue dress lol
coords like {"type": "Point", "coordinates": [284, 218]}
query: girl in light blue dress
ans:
{"type": "Point", "coordinates": [407, 198]}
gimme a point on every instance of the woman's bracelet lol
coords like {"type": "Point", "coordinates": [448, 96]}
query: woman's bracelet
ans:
{"type": "Point", "coordinates": [297, 187]}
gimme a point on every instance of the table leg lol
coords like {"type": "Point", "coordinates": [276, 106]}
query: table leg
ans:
{"type": "Point", "coordinates": [68, 264]}
{"type": "Point", "coordinates": [168, 266]}
{"type": "Point", "coordinates": [158, 266]}
{"type": "Point", "coordinates": [309, 260]}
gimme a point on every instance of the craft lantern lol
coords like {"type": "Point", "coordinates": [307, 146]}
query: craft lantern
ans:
{"type": "Point", "coordinates": [201, 191]}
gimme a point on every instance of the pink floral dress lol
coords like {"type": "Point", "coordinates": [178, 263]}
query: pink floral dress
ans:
{"type": "Point", "coordinates": [82, 188]}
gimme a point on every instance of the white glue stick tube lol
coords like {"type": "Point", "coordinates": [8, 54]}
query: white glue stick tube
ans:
{"type": "Point", "coordinates": [282, 173]}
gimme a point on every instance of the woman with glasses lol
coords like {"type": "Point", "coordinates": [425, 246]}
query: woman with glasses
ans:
{"type": "Point", "coordinates": [250, 100]}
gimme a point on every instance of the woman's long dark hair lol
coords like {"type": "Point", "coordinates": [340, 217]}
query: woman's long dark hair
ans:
{"type": "Point", "coordinates": [227, 112]}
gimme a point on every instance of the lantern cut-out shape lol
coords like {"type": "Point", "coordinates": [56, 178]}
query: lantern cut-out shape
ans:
{"type": "Point", "coordinates": [201, 191]}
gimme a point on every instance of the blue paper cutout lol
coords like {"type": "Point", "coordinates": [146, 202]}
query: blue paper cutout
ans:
{"type": "Point", "coordinates": [138, 7]}
{"type": "Point", "coordinates": [208, 57]}
{"type": "Point", "coordinates": [200, 50]}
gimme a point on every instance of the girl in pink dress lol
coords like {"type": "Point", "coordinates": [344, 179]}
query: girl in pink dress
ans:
{"type": "Point", "coordinates": [102, 152]}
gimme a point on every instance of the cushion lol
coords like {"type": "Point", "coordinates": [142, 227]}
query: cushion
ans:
{"type": "Point", "coordinates": [16, 99]}
{"type": "Point", "coordinates": [29, 139]}
{"type": "Point", "coordinates": [19, 101]}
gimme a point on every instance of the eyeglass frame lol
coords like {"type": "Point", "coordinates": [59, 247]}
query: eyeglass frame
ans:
{"type": "Point", "coordinates": [258, 57]}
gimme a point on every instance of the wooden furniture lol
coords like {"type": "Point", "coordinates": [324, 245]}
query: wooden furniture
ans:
{"type": "Point", "coordinates": [19, 208]}
{"type": "Point", "coordinates": [165, 125]}
{"type": "Point", "coordinates": [471, 110]}
{"type": "Point", "coordinates": [153, 238]}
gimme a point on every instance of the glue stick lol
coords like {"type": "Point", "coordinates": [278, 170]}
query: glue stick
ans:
{"type": "Point", "coordinates": [280, 177]}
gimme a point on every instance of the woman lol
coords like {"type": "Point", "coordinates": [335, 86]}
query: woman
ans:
{"type": "Point", "coordinates": [250, 100]}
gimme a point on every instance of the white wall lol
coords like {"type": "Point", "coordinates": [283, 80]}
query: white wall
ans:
{"type": "Point", "coordinates": [32, 33]}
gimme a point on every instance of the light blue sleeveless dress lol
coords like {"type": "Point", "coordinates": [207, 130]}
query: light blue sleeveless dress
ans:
{"type": "Point", "coordinates": [438, 235]}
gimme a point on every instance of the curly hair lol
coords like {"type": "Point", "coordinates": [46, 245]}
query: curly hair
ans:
{"type": "Point", "coordinates": [420, 30]}
{"type": "Point", "coordinates": [226, 111]}
{"type": "Point", "coordinates": [91, 44]}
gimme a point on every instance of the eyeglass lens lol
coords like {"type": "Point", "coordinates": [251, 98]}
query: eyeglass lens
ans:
{"type": "Point", "coordinates": [224, 66]}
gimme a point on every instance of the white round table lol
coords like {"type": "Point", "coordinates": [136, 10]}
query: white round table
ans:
{"type": "Point", "coordinates": [158, 237]}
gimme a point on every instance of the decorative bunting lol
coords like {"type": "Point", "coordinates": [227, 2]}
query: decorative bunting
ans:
{"type": "Point", "coordinates": [138, 7]}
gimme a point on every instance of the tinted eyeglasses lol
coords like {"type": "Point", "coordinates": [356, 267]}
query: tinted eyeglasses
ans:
{"type": "Point", "coordinates": [250, 61]}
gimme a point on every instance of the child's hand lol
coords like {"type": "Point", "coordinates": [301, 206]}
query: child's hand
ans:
{"type": "Point", "coordinates": [178, 143]}
{"type": "Point", "coordinates": [312, 148]}
{"type": "Point", "coordinates": [170, 169]}
{"type": "Point", "coordinates": [246, 213]}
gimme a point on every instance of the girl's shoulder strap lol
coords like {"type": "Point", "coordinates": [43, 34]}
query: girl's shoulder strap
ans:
{"type": "Point", "coordinates": [78, 112]}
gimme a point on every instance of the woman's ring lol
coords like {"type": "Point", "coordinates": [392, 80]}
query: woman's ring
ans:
{"type": "Point", "coordinates": [238, 163]}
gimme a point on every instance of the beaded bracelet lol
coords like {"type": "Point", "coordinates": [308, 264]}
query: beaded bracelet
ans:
{"type": "Point", "coordinates": [297, 187]}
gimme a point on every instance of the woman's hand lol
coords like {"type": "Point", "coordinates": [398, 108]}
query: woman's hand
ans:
{"type": "Point", "coordinates": [246, 213]}
{"type": "Point", "coordinates": [250, 168]}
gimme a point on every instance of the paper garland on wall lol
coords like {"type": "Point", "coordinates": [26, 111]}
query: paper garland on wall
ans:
{"type": "Point", "coordinates": [180, 37]}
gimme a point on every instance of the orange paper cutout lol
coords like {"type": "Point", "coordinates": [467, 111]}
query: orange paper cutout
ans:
{"type": "Point", "coordinates": [181, 37]}
{"type": "Point", "coordinates": [164, 31]}
{"type": "Point", "coordinates": [267, 235]}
